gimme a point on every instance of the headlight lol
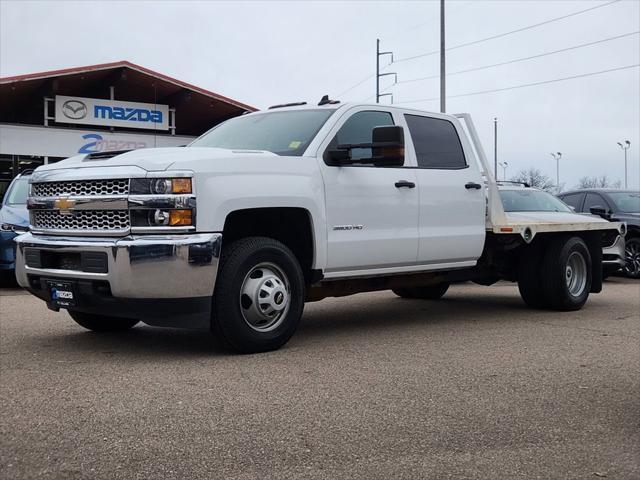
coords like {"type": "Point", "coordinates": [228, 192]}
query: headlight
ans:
{"type": "Point", "coordinates": [9, 227]}
{"type": "Point", "coordinates": [160, 186]}
{"type": "Point", "coordinates": [172, 218]}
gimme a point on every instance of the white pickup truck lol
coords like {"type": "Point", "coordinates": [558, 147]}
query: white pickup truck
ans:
{"type": "Point", "coordinates": [235, 232]}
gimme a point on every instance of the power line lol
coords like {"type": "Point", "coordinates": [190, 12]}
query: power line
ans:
{"type": "Point", "coordinates": [395, 36]}
{"type": "Point", "coordinates": [484, 67]}
{"type": "Point", "coordinates": [356, 85]}
{"type": "Point", "coordinates": [523, 85]}
{"type": "Point", "coordinates": [507, 33]}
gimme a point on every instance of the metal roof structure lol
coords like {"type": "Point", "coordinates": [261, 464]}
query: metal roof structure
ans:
{"type": "Point", "coordinates": [198, 109]}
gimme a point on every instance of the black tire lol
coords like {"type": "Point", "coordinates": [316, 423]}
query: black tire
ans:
{"type": "Point", "coordinates": [102, 323]}
{"type": "Point", "coordinates": [632, 251]}
{"type": "Point", "coordinates": [530, 278]}
{"type": "Point", "coordinates": [555, 269]}
{"type": "Point", "coordinates": [431, 292]}
{"type": "Point", "coordinates": [229, 325]}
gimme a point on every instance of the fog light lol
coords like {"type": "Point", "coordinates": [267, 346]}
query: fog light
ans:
{"type": "Point", "coordinates": [180, 218]}
{"type": "Point", "coordinates": [181, 185]}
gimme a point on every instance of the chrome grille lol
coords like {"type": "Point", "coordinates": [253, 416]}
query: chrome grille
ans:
{"type": "Point", "coordinates": [81, 187]}
{"type": "Point", "coordinates": [90, 220]}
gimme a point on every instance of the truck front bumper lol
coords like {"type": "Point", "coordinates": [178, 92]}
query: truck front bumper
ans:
{"type": "Point", "coordinates": [164, 280]}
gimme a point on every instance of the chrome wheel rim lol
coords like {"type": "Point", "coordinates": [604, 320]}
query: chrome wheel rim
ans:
{"type": "Point", "coordinates": [632, 252]}
{"type": "Point", "coordinates": [265, 296]}
{"type": "Point", "coordinates": [576, 274]}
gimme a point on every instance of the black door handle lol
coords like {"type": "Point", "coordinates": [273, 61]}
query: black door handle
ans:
{"type": "Point", "coordinates": [405, 183]}
{"type": "Point", "coordinates": [470, 185]}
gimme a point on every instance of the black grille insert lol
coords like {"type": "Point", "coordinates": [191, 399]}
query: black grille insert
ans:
{"type": "Point", "coordinates": [90, 262]}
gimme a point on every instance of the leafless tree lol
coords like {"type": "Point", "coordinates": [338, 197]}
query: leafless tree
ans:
{"type": "Point", "coordinates": [535, 178]}
{"type": "Point", "coordinates": [598, 182]}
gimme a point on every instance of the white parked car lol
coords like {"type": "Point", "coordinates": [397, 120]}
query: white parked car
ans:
{"type": "Point", "coordinates": [235, 232]}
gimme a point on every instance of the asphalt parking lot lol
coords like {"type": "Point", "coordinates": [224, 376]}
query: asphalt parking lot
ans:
{"type": "Point", "coordinates": [371, 386]}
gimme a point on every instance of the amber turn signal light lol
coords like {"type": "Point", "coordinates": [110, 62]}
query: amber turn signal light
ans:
{"type": "Point", "coordinates": [181, 185]}
{"type": "Point", "coordinates": [180, 218]}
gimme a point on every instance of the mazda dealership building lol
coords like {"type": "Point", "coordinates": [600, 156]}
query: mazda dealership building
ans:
{"type": "Point", "coordinates": [48, 116]}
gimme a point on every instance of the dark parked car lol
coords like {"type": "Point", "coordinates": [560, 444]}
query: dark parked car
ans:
{"type": "Point", "coordinates": [614, 205]}
{"type": "Point", "coordinates": [14, 219]}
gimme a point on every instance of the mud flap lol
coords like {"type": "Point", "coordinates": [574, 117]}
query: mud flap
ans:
{"type": "Point", "coordinates": [594, 242]}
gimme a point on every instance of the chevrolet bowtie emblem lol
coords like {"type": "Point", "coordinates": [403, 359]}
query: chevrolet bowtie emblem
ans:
{"type": "Point", "coordinates": [64, 204]}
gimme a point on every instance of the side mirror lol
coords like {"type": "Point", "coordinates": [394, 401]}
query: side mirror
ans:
{"type": "Point", "coordinates": [387, 149]}
{"type": "Point", "coordinates": [600, 211]}
{"type": "Point", "coordinates": [388, 146]}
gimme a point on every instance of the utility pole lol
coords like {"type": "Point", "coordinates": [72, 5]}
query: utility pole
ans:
{"type": "Point", "coordinates": [378, 74]}
{"type": "Point", "coordinates": [443, 88]}
{"type": "Point", "coordinates": [625, 147]}
{"type": "Point", "coordinates": [557, 156]}
{"type": "Point", "coordinates": [495, 147]}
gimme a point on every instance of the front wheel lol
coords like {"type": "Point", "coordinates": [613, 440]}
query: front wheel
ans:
{"type": "Point", "coordinates": [632, 253]}
{"type": "Point", "coordinates": [102, 323]}
{"type": "Point", "coordinates": [259, 295]}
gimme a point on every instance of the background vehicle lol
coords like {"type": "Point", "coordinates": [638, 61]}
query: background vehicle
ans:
{"type": "Point", "coordinates": [14, 219]}
{"type": "Point", "coordinates": [616, 206]}
{"type": "Point", "coordinates": [521, 198]}
{"type": "Point", "coordinates": [297, 203]}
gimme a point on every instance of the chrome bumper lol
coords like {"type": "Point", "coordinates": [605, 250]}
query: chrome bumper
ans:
{"type": "Point", "coordinates": [138, 267]}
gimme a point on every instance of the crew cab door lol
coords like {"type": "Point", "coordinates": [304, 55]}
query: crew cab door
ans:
{"type": "Point", "coordinates": [372, 211]}
{"type": "Point", "coordinates": [452, 192]}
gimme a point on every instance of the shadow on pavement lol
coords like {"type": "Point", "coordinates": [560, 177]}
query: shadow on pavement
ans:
{"type": "Point", "coordinates": [321, 321]}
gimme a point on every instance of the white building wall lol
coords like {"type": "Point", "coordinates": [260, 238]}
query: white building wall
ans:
{"type": "Point", "coordinates": [65, 142]}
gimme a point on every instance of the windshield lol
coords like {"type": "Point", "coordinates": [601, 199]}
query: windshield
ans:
{"type": "Point", "coordinates": [18, 192]}
{"type": "Point", "coordinates": [531, 201]}
{"type": "Point", "coordinates": [627, 202]}
{"type": "Point", "coordinates": [283, 133]}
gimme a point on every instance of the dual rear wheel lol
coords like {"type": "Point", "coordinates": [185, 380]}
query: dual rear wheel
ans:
{"type": "Point", "coordinates": [556, 277]}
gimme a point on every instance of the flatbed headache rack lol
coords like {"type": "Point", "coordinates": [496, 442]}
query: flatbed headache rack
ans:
{"type": "Point", "coordinates": [497, 220]}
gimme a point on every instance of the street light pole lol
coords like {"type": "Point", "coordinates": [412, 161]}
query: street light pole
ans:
{"type": "Point", "coordinates": [495, 147]}
{"type": "Point", "coordinates": [557, 156]}
{"type": "Point", "coordinates": [625, 147]}
{"type": "Point", "coordinates": [504, 166]}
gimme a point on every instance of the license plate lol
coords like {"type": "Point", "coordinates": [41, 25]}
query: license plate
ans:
{"type": "Point", "coordinates": [62, 294]}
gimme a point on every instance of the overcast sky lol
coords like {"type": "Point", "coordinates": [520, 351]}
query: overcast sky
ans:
{"type": "Point", "coordinates": [262, 53]}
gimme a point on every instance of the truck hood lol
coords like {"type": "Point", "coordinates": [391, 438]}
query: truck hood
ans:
{"type": "Point", "coordinates": [154, 159]}
{"type": "Point", "coordinates": [552, 217]}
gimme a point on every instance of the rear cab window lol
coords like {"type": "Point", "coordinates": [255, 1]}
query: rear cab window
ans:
{"type": "Point", "coordinates": [436, 143]}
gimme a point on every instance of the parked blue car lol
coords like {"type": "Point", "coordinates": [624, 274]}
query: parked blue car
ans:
{"type": "Point", "coordinates": [14, 219]}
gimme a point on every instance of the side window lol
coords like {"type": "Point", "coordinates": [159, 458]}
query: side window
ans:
{"type": "Point", "coordinates": [358, 129]}
{"type": "Point", "coordinates": [594, 200]}
{"type": "Point", "coordinates": [436, 142]}
{"type": "Point", "coordinates": [573, 200]}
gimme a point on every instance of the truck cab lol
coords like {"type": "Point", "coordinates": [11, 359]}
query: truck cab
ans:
{"type": "Point", "coordinates": [266, 211]}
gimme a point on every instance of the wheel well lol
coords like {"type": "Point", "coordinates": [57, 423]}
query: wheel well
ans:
{"type": "Point", "coordinates": [289, 225]}
{"type": "Point", "coordinates": [633, 232]}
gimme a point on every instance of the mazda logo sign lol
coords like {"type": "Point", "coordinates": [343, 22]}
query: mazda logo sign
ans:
{"type": "Point", "coordinates": [74, 109]}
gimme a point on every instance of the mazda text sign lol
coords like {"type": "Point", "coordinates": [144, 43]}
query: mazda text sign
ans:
{"type": "Point", "coordinates": [111, 113]}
